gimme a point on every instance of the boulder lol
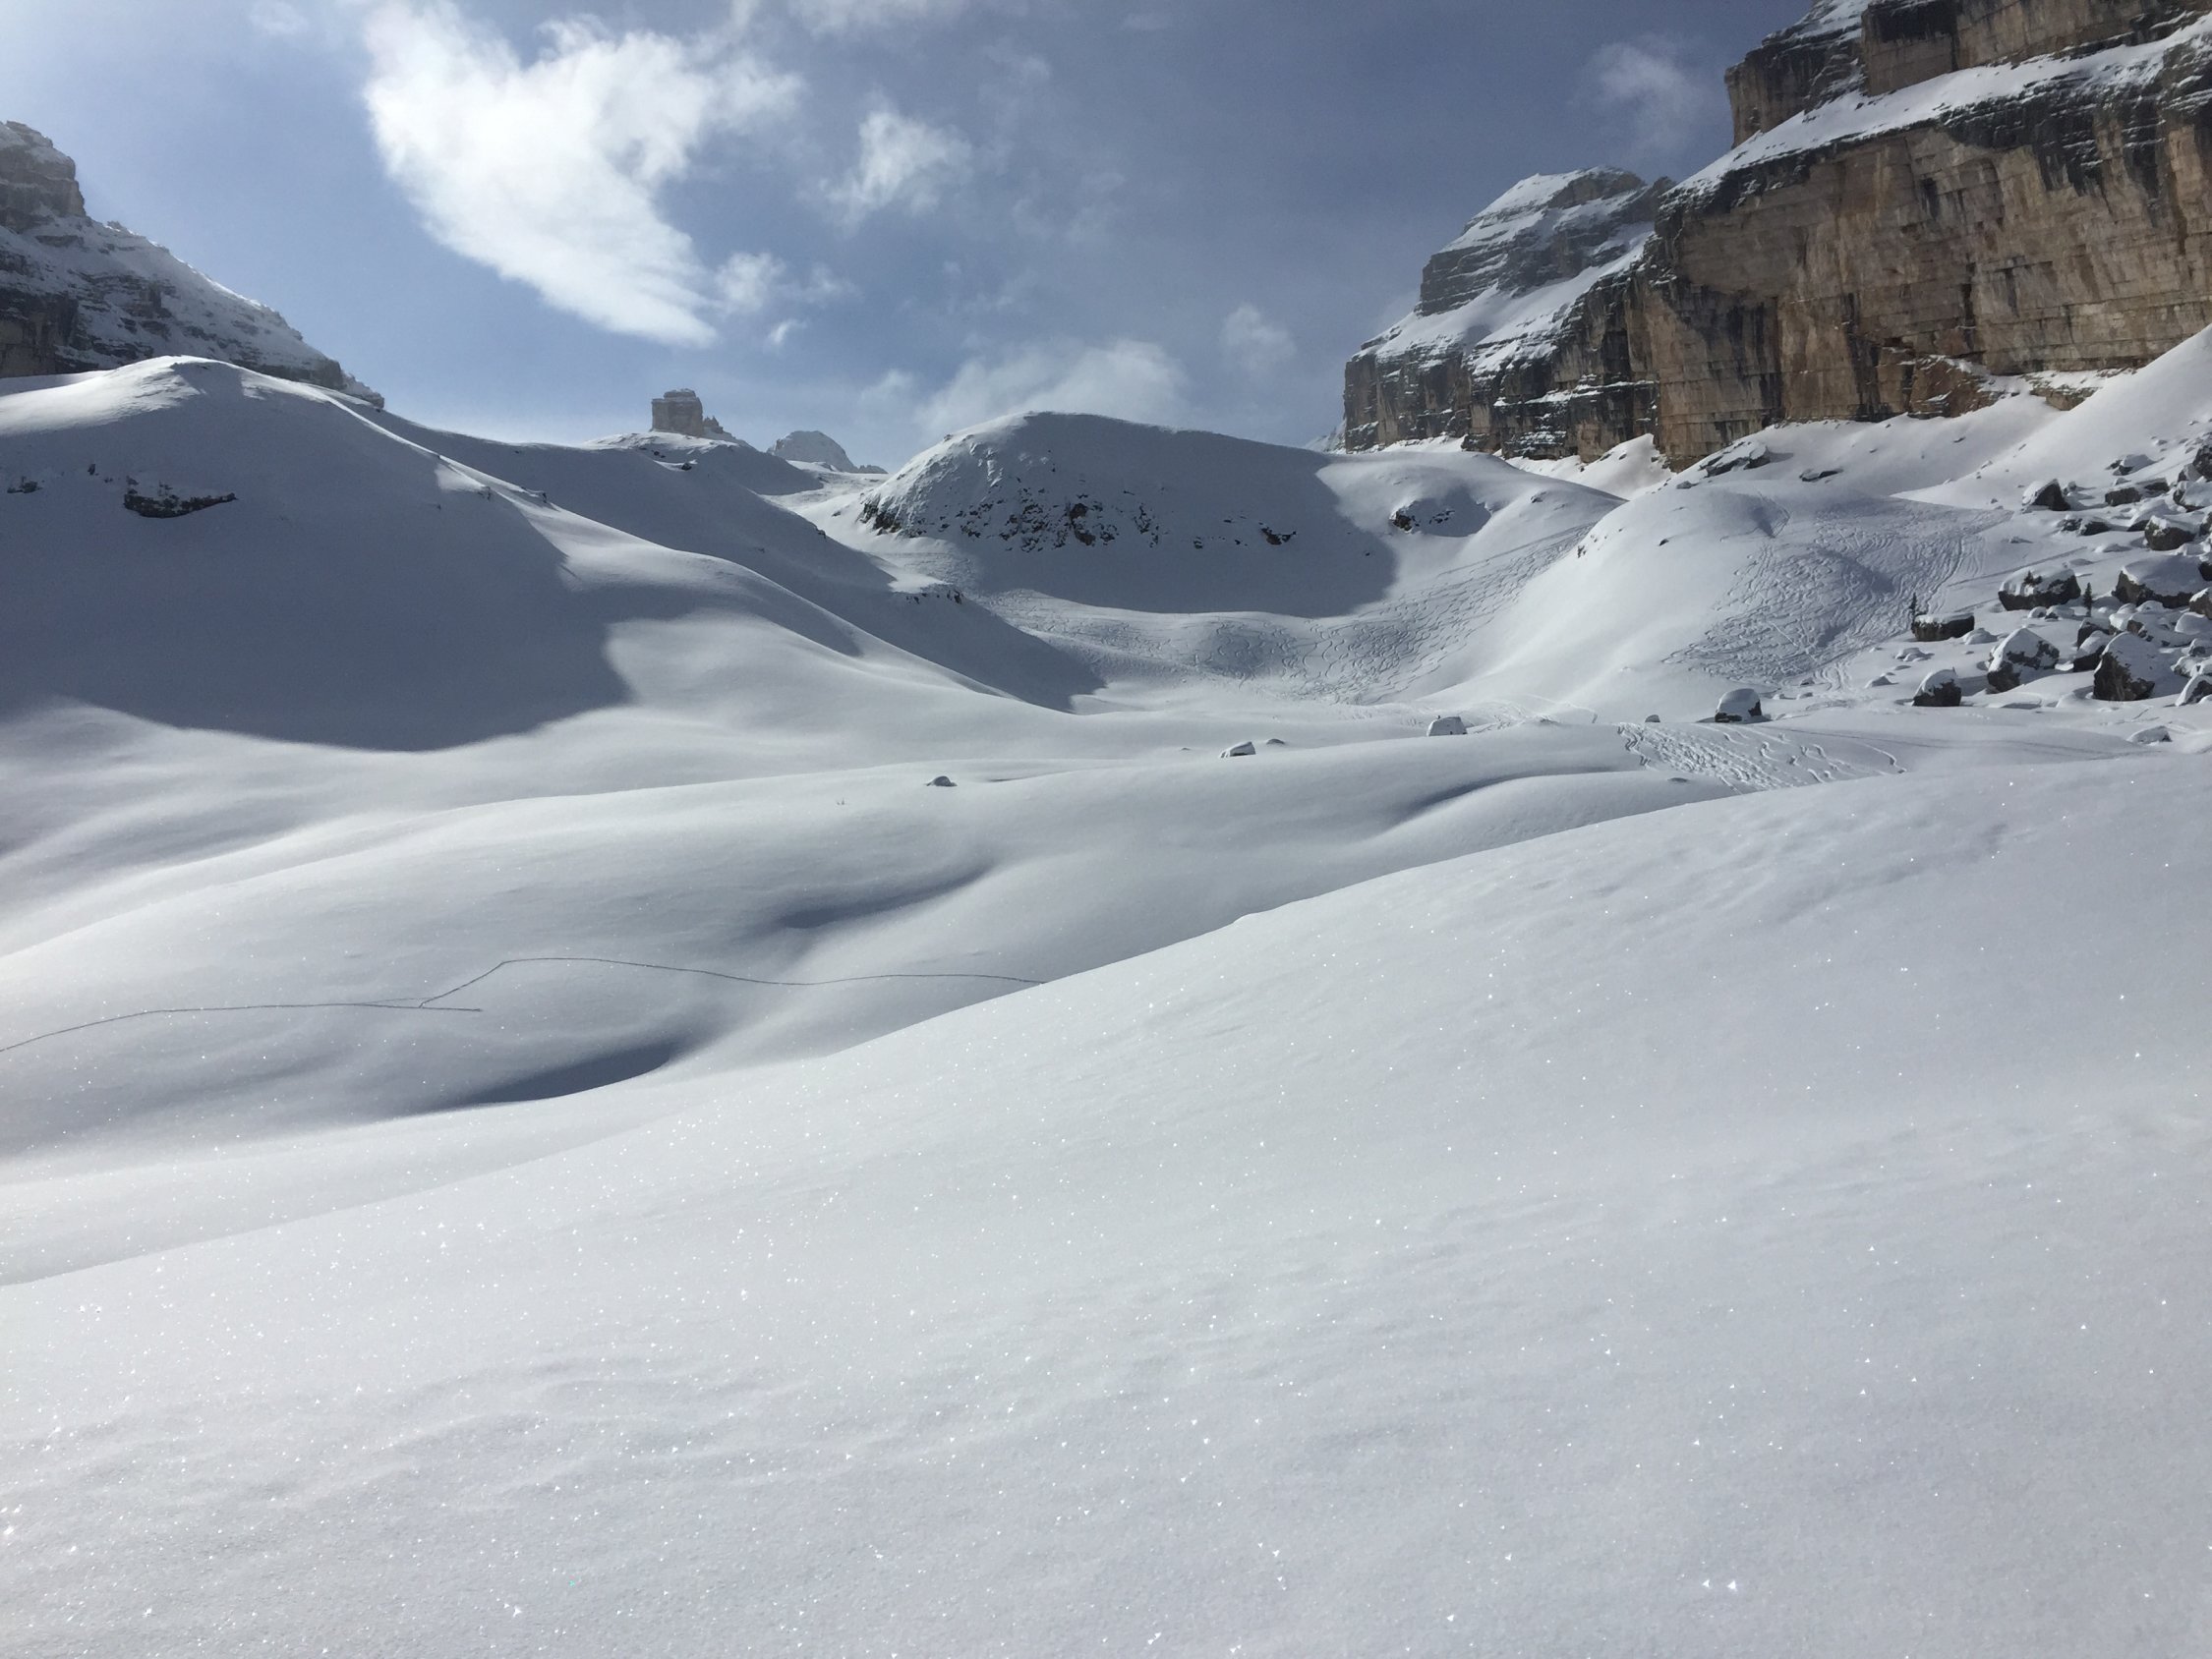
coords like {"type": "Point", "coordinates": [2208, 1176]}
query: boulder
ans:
{"type": "Point", "coordinates": [2166, 535]}
{"type": "Point", "coordinates": [1739, 708]}
{"type": "Point", "coordinates": [940, 781]}
{"type": "Point", "coordinates": [2198, 690]}
{"type": "Point", "coordinates": [1940, 690]}
{"type": "Point", "coordinates": [1240, 751]}
{"type": "Point", "coordinates": [2131, 670]}
{"type": "Point", "coordinates": [2023, 653]}
{"type": "Point", "coordinates": [1447, 726]}
{"type": "Point", "coordinates": [2123, 495]}
{"type": "Point", "coordinates": [2150, 735]}
{"type": "Point", "coordinates": [2167, 579]}
{"type": "Point", "coordinates": [2049, 498]}
{"type": "Point", "coordinates": [1930, 628]}
{"type": "Point", "coordinates": [2033, 591]}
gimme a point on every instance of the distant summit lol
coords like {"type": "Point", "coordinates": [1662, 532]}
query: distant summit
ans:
{"type": "Point", "coordinates": [681, 414]}
{"type": "Point", "coordinates": [77, 295]}
{"type": "Point", "coordinates": [817, 449]}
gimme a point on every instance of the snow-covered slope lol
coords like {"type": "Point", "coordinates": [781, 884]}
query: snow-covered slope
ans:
{"type": "Point", "coordinates": [75, 294]}
{"type": "Point", "coordinates": [1595, 1244]}
{"type": "Point", "coordinates": [750, 1065]}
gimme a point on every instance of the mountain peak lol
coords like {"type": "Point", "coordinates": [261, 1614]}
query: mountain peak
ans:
{"type": "Point", "coordinates": [77, 295]}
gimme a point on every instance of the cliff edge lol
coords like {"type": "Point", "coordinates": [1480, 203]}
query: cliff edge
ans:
{"type": "Point", "coordinates": [77, 295]}
{"type": "Point", "coordinates": [1926, 195]}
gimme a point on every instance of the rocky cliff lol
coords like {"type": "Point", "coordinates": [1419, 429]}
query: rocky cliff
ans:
{"type": "Point", "coordinates": [1496, 335]}
{"type": "Point", "coordinates": [77, 295]}
{"type": "Point", "coordinates": [1924, 197]}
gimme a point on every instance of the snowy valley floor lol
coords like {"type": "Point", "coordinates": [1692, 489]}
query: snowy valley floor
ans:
{"type": "Point", "coordinates": [528, 1127]}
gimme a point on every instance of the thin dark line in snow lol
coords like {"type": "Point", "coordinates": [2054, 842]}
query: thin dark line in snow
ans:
{"type": "Point", "coordinates": [232, 1008]}
{"type": "Point", "coordinates": [429, 1005]}
{"type": "Point", "coordinates": [712, 973]}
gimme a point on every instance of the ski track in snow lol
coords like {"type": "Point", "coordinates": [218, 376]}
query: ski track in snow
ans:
{"type": "Point", "coordinates": [1802, 605]}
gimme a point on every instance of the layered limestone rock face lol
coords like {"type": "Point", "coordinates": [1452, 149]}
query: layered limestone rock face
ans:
{"type": "Point", "coordinates": [1799, 69]}
{"type": "Point", "coordinates": [1498, 337]}
{"type": "Point", "coordinates": [76, 295]}
{"type": "Point", "coordinates": [1883, 252]}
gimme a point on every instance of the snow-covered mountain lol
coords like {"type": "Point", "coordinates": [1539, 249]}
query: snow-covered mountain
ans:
{"type": "Point", "coordinates": [747, 1061]}
{"type": "Point", "coordinates": [75, 294]}
{"type": "Point", "coordinates": [817, 449]}
{"type": "Point", "coordinates": [1924, 198]}
{"type": "Point", "coordinates": [1120, 1040]}
{"type": "Point", "coordinates": [1495, 306]}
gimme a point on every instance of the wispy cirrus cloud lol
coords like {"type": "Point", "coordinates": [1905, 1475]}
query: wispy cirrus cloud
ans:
{"type": "Point", "coordinates": [1652, 100]}
{"type": "Point", "coordinates": [550, 170]}
{"type": "Point", "coordinates": [903, 163]}
{"type": "Point", "coordinates": [1130, 379]}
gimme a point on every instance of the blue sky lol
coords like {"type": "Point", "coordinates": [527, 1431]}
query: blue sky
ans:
{"type": "Point", "coordinates": [886, 218]}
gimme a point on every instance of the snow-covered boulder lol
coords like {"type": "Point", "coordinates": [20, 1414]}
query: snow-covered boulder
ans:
{"type": "Point", "coordinates": [2033, 591]}
{"type": "Point", "coordinates": [940, 781]}
{"type": "Point", "coordinates": [1940, 690]}
{"type": "Point", "coordinates": [2023, 653]}
{"type": "Point", "coordinates": [2169, 579]}
{"type": "Point", "coordinates": [2150, 736]}
{"type": "Point", "coordinates": [1739, 708]}
{"type": "Point", "coordinates": [1240, 751]}
{"type": "Point", "coordinates": [1447, 726]}
{"type": "Point", "coordinates": [2165, 532]}
{"type": "Point", "coordinates": [2048, 498]}
{"type": "Point", "coordinates": [2198, 690]}
{"type": "Point", "coordinates": [2131, 670]}
{"type": "Point", "coordinates": [1933, 627]}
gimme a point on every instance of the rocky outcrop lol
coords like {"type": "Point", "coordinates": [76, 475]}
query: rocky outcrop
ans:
{"type": "Point", "coordinates": [1912, 212]}
{"type": "Point", "coordinates": [77, 295]}
{"type": "Point", "coordinates": [1500, 347]}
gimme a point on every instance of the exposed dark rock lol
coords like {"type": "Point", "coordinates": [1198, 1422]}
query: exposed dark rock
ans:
{"type": "Point", "coordinates": [1940, 690]}
{"type": "Point", "coordinates": [168, 504]}
{"type": "Point", "coordinates": [2169, 580]}
{"type": "Point", "coordinates": [2129, 670]}
{"type": "Point", "coordinates": [1933, 630]}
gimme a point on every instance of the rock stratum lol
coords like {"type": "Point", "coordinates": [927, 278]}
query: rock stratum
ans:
{"type": "Point", "coordinates": [1925, 195]}
{"type": "Point", "coordinates": [77, 295]}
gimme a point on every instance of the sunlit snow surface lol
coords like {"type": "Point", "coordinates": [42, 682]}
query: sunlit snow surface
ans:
{"type": "Point", "coordinates": [526, 1127]}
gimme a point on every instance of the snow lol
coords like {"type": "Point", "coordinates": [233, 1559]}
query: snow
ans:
{"type": "Point", "coordinates": [1857, 116]}
{"type": "Point", "coordinates": [532, 1126]}
{"type": "Point", "coordinates": [1528, 230]}
{"type": "Point", "coordinates": [134, 299]}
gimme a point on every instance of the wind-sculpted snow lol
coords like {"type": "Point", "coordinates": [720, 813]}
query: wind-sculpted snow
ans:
{"type": "Point", "coordinates": [743, 1078]}
{"type": "Point", "coordinates": [1604, 1236]}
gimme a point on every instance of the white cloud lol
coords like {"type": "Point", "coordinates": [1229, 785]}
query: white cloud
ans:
{"type": "Point", "coordinates": [903, 163]}
{"type": "Point", "coordinates": [1131, 379]}
{"type": "Point", "coordinates": [1254, 343]}
{"type": "Point", "coordinates": [1653, 101]}
{"type": "Point", "coordinates": [549, 171]}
